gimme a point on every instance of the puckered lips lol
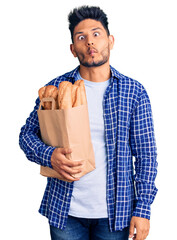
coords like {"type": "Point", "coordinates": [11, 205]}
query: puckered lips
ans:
{"type": "Point", "coordinates": [92, 51]}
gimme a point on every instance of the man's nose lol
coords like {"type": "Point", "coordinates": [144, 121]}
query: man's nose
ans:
{"type": "Point", "coordinates": [89, 41]}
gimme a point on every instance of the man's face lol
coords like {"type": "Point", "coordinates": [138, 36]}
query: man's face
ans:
{"type": "Point", "coordinates": [91, 44]}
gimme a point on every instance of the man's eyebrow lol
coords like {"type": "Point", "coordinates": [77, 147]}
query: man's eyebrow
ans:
{"type": "Point", "coordinates": [93, 29]}
{"type": "Point", "coordinates": [78, 33]}
{"type": "Point", "coordinates": [98, 28]}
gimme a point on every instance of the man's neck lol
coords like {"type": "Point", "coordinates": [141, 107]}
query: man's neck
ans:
{"type": "Point", "coordinates": [96, 74]}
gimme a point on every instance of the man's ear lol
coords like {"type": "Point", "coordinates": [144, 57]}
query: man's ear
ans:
{"type": "Point", "coordinates": [72, 50]}
{"type": "Point", "coordinates": [111, 41]}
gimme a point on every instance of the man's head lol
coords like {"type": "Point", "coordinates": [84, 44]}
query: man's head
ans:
{"type": "Point", "coordinates": [91, 40]}
{"type": "Point", "coordinates": [86, 12]}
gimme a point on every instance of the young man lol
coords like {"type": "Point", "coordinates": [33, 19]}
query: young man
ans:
{"type": "Point", "coordinates": [103, 204]}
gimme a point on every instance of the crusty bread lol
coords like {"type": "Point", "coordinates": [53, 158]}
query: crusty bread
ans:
{"type": "Point", "coordinates": [46, 92]}
{"type": "Point", "coordinates": [41, 92]}
{"type": "Point", "coordinates": [83, 97]}
{"type": "Point", "coordinates": [51, 91]}
{"type": "Point", "coordinates": [78, 82]}
{"type": "Point", "coordinates": [64, 95]}
{"type": "Point", "coordinates": [68, 95]}
{"type": "Point", "coordinates": [78, 100]}
{"type": "Point", "coordinates": [74, 94]}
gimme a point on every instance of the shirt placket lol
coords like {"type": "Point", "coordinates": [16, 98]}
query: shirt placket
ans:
{"type": "Point", "coordinates": [110, 148]}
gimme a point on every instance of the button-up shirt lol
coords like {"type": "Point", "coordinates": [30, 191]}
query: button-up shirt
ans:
{"type": "Point", "coordinates": [131, 154]}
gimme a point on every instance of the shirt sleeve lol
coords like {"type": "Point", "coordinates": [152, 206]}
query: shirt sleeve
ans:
{"type": "Point", "coordinates": [31, 143]}
{"type": "Point", "coordinates": [143, 146]}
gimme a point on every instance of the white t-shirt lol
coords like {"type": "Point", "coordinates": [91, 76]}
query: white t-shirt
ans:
{"type": "Point", "coordinates": [89, 194]}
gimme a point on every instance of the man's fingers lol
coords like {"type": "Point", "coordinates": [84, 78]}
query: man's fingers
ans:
{"type": "Point", "coordinates": [69, 162]}
{"type": "Point", "coordinates": [146, 233]}
{"type": "Point", "coordinates": [71, 170]}
{"type": "Point", "coordinates": [140, 235]}
{"type": "Point", "coordinates": [73, 164]}
{"type": "Point", "coordinates": [68, 176]}
{"type": "Point", "coordinates": [131, 230]}
{"type": "Point", "coordinates": [65, 166]}
{"type": "Point", "coordinates": [134, 237]}
{"type": "Point", "coordinates": [66, 150]}
{"type": "Point", "coordinates": [141, 225]}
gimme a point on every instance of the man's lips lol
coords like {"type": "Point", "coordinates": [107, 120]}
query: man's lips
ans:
{"type": "Point", "coordinates": [92, 51]}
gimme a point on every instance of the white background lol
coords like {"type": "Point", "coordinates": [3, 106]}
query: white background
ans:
{"type": "Point", "coordinates": [34, 49]}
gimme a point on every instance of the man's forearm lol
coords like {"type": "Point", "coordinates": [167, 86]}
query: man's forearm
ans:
{"type": "Point", "coordinates": [31, 143]}
{"type": "Point", "coordinates": [35, 150]}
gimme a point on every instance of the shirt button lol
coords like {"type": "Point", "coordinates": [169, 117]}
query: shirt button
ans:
{"type": "Point", "coordinates": [67, 194]}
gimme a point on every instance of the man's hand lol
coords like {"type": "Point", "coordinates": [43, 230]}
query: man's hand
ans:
{"type": "Point", "coordinates": [63, 165]}
{"type": "Point", "coordinates": [142, 226]}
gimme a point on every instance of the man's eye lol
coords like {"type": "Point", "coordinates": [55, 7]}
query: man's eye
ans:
{"type": "Point", "coordinates": [81, 37]}
{"type": "Point", "coordinates": [96, 34]}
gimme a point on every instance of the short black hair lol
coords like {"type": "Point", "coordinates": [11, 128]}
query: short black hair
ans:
{"type": "Point", "coordinates": [85, 12]}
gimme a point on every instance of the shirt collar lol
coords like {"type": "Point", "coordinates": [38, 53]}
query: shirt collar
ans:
{"type": "Point", "coordinates": [114, 73]}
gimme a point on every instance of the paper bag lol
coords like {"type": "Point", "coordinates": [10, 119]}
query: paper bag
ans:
{"type": "Point", "coordinates": [67, 128]}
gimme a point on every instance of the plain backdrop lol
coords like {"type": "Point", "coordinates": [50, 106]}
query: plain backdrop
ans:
{"type": "Point", "coordinates": [34, 49]}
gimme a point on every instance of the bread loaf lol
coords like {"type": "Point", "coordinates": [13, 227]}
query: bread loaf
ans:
{"type": "Point", "coordinates": [41, 92]}
{"type": "Point", "coordinates": [78, 100]}
{"type": "Point", "coordinates": [74, 94]}
{"type": "Point", "coordinates": [65, 95]}
{"type": "Point", "coordinates": [68, 95]}
{"type": "Point", "coordinates": [46, 92]}
{"type": "Point", "coordinates": [82, 92]}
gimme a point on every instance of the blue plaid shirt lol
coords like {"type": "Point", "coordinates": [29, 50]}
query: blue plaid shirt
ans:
{"type": "Point", "coordinates": [129, 132]}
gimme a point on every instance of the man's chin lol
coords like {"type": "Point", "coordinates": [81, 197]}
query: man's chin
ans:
{"type": "Point", "coordinates": [92, 64]}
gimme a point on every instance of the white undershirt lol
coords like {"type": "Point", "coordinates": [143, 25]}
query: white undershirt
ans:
{"type": "Point", "coordinates": [89, 194]}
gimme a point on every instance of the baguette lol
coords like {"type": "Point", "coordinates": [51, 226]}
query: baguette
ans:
{"type": "Point", "coordinates": [41, 92]}
{"type": "Point", "coordinates": [68, 95]}
{"type": "Point", "coordinates": [78, 100]}
{"type": "Point", "coordinates": [48, 91]}
{"type": "Point", "coordinates": [82, 92]}
{"type": "Point", "coordinates": [74, 94]}
{"type": "Point", "coordinates": [65, 95]}
{"type": "Point", "coordinates": [77, 83]}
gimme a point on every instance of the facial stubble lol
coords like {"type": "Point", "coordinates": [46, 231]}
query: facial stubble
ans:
{"type": "Point", "coordinates": [105, 57]}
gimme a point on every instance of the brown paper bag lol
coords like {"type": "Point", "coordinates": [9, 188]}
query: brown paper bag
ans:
{"type": "Point", "coordinates": [67, 128]}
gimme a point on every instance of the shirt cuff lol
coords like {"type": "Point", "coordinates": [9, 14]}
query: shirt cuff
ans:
{"type": "Point", "coordinates": [46, 154]}
{"type": "Point", "coordinates": [142, 210]}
